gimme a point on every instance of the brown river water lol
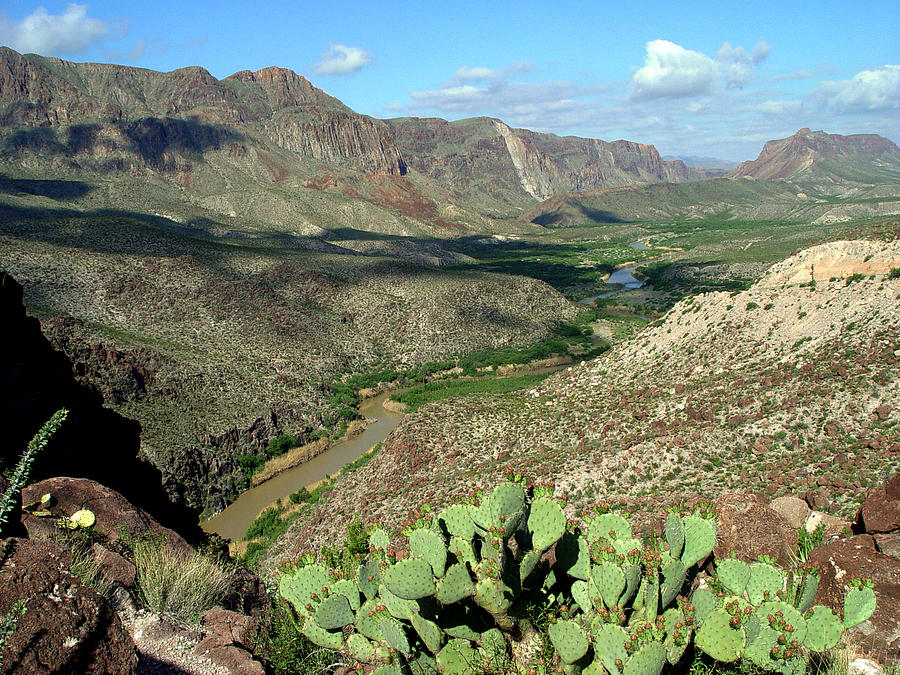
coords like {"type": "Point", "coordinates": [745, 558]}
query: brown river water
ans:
{"type": "Point", "coordinates": [233, 522]}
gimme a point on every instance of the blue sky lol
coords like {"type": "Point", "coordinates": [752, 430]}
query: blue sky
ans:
{"type": "Point", "coordinates": [703, 78]}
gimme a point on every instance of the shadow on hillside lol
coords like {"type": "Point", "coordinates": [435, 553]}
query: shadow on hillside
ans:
{"type": "Point", "coordinates": [558, 216]}
{"type": "Point", "coordinates": [60, 190]}
{"type": "Point", "coordinates": [150, 138]}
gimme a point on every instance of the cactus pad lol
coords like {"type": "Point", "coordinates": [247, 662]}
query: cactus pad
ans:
{"type": "Point", "coordinates": [573, 556]}
{"type": "Point", "coordinates": [397, 607]}
{"type": "Point", "coordinates": [349, 589]}
{"type": "Point", "coordinates": [609, 645]}
{"type": "Point", "coordinates": [704, 602]}
{"type": "Point", "coordinates": [581, 595]}
{"type": "Point", "coordinates": [859, 604]}
{"type": "Point", "coordinates": [458, 521]}
{"type": "Point", "coordinates": [379, 539]}
{"type": "Point", "coordinates": [456, 585]}
{"type": "Point", "coordinates": [823, 629]}
{"type": "Point", "coordinates": [431, 635]}
{"type": "Point", "coordinates": [457, 658]}
{"type": "Point", "coordinates": [368, 576]}
{"type": "Point", "coordinates": [360, 648]}
{"type": "Point", "coordinates": [394, 635]}
{"type": "Point", "coordinates": [674, 573]}
{"type": "Point", "coordinates": [368, 621]}
{"type": "Point", "coordinates": [717, 638]}
{"type": "Point", "coordinates": [809, 585]}
{"type": "Point", "coordinates": [733, 575]}
{"type": "Point", "coordinates": [410, 579]}
{"type": "Point", "coordinates": [546, 522]}
{"type": "Point", "coordinates": [699, 540]}
{"type": "Point", "coordinates": [648, 660]}
{"type": "Point", "coordinates": [569, 640]}
{"type": "Point", "coordinates": [609, 581]}
{"type": "Point", "coordinates": [602, 525]}
{"type": "Point", "coordinates": [505, 500]}
{"type": "Point", "coordinates": [788, 613]}
{"type": "Point", "coordinates": [765, 582]}
{"type": "Point", "coordinates": [334, 612]}
{"type": "Point", "coordinates": [321, 637]}
{"type": "Point", "coordinates": [462, 549]}
{"type": "Point", "coordinates": [759, 649]}
{"type": "Point", "coordinates": [674, 533]}
{"type": "Point", "coordinates": [302, 584]}
{"type": "Point", "coordinates": [82, 518]}
{"type": "Point", "coordinates": [429, 545]}
{"type": "Point", "coordinates": [492, 595]}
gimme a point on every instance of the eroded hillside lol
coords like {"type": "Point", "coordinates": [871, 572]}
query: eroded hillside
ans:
{"type": "Point", "coordinates": [788, 386]}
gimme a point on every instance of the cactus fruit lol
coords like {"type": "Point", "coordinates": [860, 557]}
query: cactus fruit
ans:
{"type": "Point", "coordinates": [334, 612]}
{"type": "Point", "coordinates": [410, 579]}
{"type": "Point", "coordinates": [602, 525]}
{"type": "Point", "coordinates": [674, 533]}
{"type": "Point", "coordinates": [717, 638]}
{"type": "Point", "coordinates": [321, 637]}
{"type": "Point", "coordinates": [733, 574]}
{"type": "Point", "coordinates": [699, 540]}
{"type": "Point", "coordinates": [765, 581]}
{"type": "Point", "coordinates": [648, 660]}
{"type": "Point", "coordinates": [432, 636]}
{"type": "Point", "coordinates": [609, 582]}
{"type": "Point", "coordinates": [786, 615]}
{"type": "Point", "coordinates": [823, 629]}
{"type": "Point", "coordinates": [859, 604]}
{"type": "Point", "coordinates": [546, 523]}
{"type": "Point", "coordinates": [569, 640]}
{"type": "Point", "coordinates": [429, 545]}
{"type": "Point", "coordinates": [456, 585]}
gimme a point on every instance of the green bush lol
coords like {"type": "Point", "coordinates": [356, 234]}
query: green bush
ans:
{"type": "Point", "coordinates": [894, 273]}
{"type": "Point", "coordinates": [281, 444]}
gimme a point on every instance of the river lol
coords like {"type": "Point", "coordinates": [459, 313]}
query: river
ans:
{"type": "Point", "coordinates": [233, 522]}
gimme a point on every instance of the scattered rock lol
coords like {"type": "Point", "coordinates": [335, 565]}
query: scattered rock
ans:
{"type": "Point", "coordinates": [833, 526]}
{"type": "Point", "coordinates": [794, 510]}
{"type": "Point", "coordinates": [230, 626]}
{"type": "Point", "coordinates": [841, 560]}
{"type": "Point", "coordinates": [864, 667]}
{"type": "Point", "coordinates": [234, 660]}
{"type": "Point", "coordinates": [114, 567]}
{"type": "Point", "coordinates": [889, 544]}
{"type": "Point", "coordinates": [883, 412]}
{"type": "Point", "coordinates": [880, 511]}
{"type": "Point", "coordinates": [114, 513]}
{"type": "Point", "coordinates": [747, 526]}
{"type": "Point", "coordinates": [86, 636]}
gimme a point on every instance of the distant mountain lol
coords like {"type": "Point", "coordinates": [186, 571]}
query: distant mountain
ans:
{"type": "Point", "coordinates": [713, 163]}
{"type": "Point", "coordinates": [270, 147]}
{"type": "Point", "coordinates": [816, 156]}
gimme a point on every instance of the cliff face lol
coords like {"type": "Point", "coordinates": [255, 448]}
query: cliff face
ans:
{"type": "Point", "coordinates": [82, 111]}
{"type": "Point", "coordinates": [816, 154]}
{"type": "Point", "coordinates": [507, 161]}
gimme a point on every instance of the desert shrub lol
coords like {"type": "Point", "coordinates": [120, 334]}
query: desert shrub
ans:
{"type": "Point", "coordinates": [281, 444]}
{"type": "Point", "coordinates": [301, 495]}
{"type": "Point", "coordinates": [178, 584]}
{"type": "Point", "coordinates": [283, 649]}
{"type": "Point", "coordinates": [894, 273]}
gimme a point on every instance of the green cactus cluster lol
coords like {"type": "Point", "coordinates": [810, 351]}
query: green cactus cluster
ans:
{"type": "Point", "coordinates": [462, 590]}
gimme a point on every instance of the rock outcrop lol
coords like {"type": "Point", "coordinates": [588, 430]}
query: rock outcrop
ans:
{"type": "Point", "coordinates": [66, 627]}
{"type": "Point", "coordinates": [815, 154]}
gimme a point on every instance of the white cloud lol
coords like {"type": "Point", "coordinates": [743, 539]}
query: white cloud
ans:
{"type": "Point", "coordinates": [71, 32]}
{"type": "Point", "coordinates": [342, 60]}
{"type": "Point", "coordinates": [868, 90]}
{"type": "Point", "coordinates": [737, 65]}
{"type": "Point", "coordinates": [479, 74]}
{"type": "Point", "coordinates": [671, 71]}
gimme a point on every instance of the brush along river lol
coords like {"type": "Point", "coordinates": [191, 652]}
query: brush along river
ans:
{"type": "Point", "coordinates": [233, 522]}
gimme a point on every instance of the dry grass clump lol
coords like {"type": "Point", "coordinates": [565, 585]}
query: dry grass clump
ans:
{"type": "Point", "coordinates": [177, 584]}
